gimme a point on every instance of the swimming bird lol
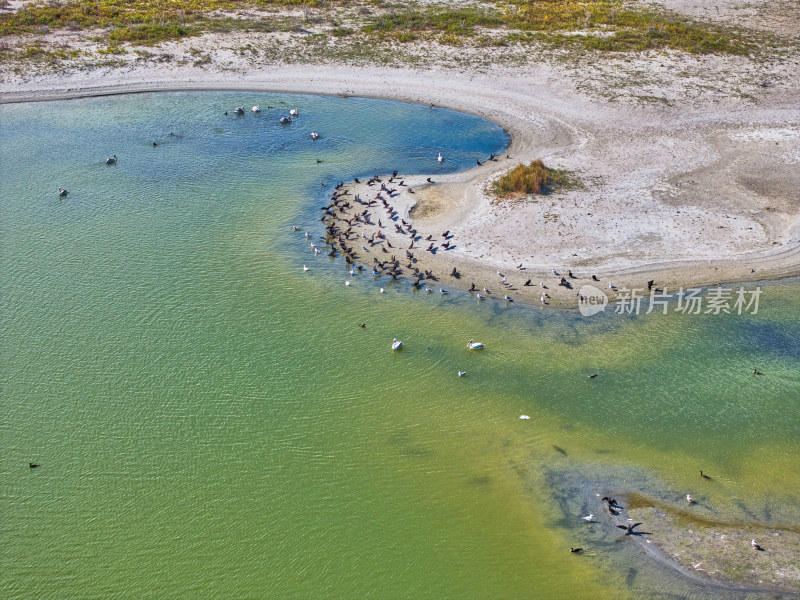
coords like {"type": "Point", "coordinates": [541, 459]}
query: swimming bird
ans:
{"type": "Point", "coordinates": [239, 110]}
{"type": "Point", "coordinates": [347, 283]}
{"type": "Point", "coordinates": [480, 297]}
{"type": "Point", "coordinates": [755, 545]}
{"type": "Point", "coordinates": [112, 160]}
{"type": "Point", "coordinates": [442, 291]}
{"type": "Point", "coordinates": [629, 529]}
{"type": "Point", "coordinates": [690, 500]}
{"type": "Point", "coordinates": [439, 158]}
{"type": "Point", "coordinates": [305, 268]}
{"type": "Point", "coordinates": [588, 518]}
{"type": "Point", "coordinates": [314, 135]}
{"type": "Point", "coordinates": [462, 373]}
{"type": "Point", "coordinates": [363, 326]}
{"type": "Point", "coordinates": [62, 191]}
{"type": "Point", "coordinates": [285, 120]}
{"type": "Point", "coordinates": [396, 344]}
{"type": "Point", "coordinates": [593, 375]}
{"type": "Point", "coordinates": [32, 465]}
{"type": "Point", "coordinates": [381, 291]}
{"type": "Point", "coordinates": [294, 112]}
{"type": "Point", "coordinates": [508, 298]}
{"type": "Point", "coordinates": [473, 345]}
{"type": "Point", "coordinates": [576, 550]}
{"type": "Point", "coordinates": [295, 228]}
{"type": "Point", "coordinates": [256, 109]}
{"type": "Point", "coordinates": [308, 237]}
{"type": "Point", "coordinates": [703, 475]}
{"type": "Point", "coordinates": [755, 371]}
{"type": "Point", "coordinates": [525, 417]}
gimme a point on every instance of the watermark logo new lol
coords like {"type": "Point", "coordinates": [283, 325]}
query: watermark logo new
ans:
{"type": "Point", "coordinates": [591, 301]}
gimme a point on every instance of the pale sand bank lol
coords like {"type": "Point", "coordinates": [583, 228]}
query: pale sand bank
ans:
{"type": "Point", "coordinates": [685, 198]}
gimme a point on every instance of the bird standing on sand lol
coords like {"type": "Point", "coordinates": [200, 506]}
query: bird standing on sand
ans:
{"type": "Point", "coordinates": [755, 545]}
{"type": "Point", "coordinates": [629, 529]}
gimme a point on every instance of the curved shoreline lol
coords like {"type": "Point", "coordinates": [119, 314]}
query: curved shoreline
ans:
{"type": "Point", "coordinates": [548, 125]}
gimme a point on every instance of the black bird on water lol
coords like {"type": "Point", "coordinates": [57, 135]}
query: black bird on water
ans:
{"type": "Point", "coordinates": [363, 326]}
{"type": "Point", "coordinates": [757, 372]}
{"type": "Point", "coordinates": [703, 475]}
{"type": "Point", "coordinates": [592, 376]}
{"type": "Point", "coordinates": [629, 529]}
{"type": "Point", "coordinates": [32, 465]}
{"type": "Point", "coordinates": [576, 550]}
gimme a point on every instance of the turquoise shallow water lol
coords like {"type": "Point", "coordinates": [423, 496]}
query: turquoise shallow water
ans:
{"type": "Point", "coordinates": [211, 422]}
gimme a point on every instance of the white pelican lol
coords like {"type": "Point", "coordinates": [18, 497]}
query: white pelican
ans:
{"type": "Point", "coordinates": [396, 344]}
{"type": "Point", "coordinates": [305, 268]}
{"type": "Point", "coordinates": [439, 158]}
{"type": "Point", "coordinates": [347, 283]}
{"type": "Point", "coordinates": [314, 135]}
{"type": "Point", "coordinates": [62, 191]}
{"type": "Point", "coordinates": [112, 160]}
{"type": "Point", "coordinates": [256, 108]}
{"type": "Point", "coordinates": [239, 110]}
{"type": "Point", "coordinates": [294, 112]}
{"type": "Point", "coordinates": [473, 345]}
{"type": "Point", "coordinates": [588, 518]}
{"type": "Point", "coordinates": [462, 373]}
{"type": "Point", "coordinates": [524, 417]}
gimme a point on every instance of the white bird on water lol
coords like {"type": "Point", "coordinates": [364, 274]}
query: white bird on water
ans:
{"type": "Point", "coordinates": [381, 291]}
{"type": "Point", "coordinates": [588, 518]}
{"type": "Point", "coordinates": [347, 283]}
{"type": "Point", "coordinates": [462, 373]}
{"type": "Point", "coordinates": [305, 268]}
{"type": "Point", "coordinates": [525, 417]}
{"type": "Point", "coordinates": [256, 109]}
{"type": "Point", "coordinates": [473, 345]}
{"type": "Point", "coordinates": [439, 158]}
{"type": "Point", "coordinates": [396, 344]}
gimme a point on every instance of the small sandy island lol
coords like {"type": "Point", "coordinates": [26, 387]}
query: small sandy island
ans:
{"type": "Point", "coordinates": [689, 170]}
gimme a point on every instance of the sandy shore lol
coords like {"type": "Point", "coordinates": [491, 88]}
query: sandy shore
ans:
{"type": "Point", "coordinates": [682, 197]}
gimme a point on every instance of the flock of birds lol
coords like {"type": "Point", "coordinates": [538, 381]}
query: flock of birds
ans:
{"type": "Point", "coordinates": [355, 228]}
{"type": "Point", "coordinates": [284, 120]}
{"type": "Point", "coordinates": [614, 509]}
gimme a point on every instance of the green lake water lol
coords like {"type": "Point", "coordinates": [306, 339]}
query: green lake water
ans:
{"type": "Point", "coordinates": [211, 422]}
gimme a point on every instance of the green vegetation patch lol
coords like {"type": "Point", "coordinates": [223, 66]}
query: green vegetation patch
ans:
{"type": "Point", "coordinates": [534, 178]}
{"type": "Point", "coordinates": [610, 25]}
